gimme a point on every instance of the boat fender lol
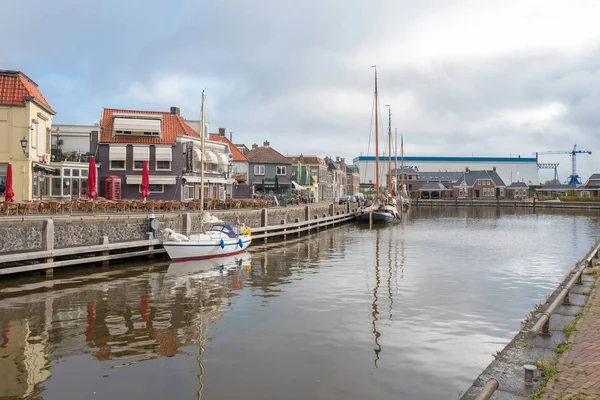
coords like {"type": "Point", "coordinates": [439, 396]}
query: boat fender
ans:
{"type": "Point", "coordinates": [222, 244]}
{"type": "Point", "coordinates": [241, 243]}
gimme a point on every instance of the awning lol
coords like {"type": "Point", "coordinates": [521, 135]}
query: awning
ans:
{"type": "Point", "coordinates": [211, 158]}
{"type": "Point", "coordinates": [223, 160]}
{"type": "Point", "coordinates": [44, 168]}
{"type": "Point", "coordinates": [207, 180]}
{"type": "Point", "coordinates": [154, 179]}
{"type": "Point", "coordinates": [137, 124]}
{"type": "Point", "coordinates": [117, 153]}
{"type": "Point", "coordinates": [141, 153]}
{"type": "Point", "coordinates": [296, 186]}
{"type": "Point", "coordinates": [163, 154]}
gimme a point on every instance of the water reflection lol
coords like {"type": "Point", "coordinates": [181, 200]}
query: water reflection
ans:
{"type": "Point", "coordinates": [440, 292]}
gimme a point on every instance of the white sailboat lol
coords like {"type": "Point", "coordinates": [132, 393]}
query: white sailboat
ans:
{"type": "Point", "coordinates": [220, 240]}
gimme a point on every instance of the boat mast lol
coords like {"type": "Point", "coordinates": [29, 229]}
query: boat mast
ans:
{"type": "Point", "coordinates": [389, 168]}
{"type": "Point", "coordinates": [402, 154]}
{"type": "Point", "coordinates": [202, 133]}
{"type": "Point", "coordinates": [376, 137]}
{"type": "Point", "coordinates": [396, 162]}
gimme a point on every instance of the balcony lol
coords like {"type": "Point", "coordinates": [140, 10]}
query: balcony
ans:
{"type": "Point", "coordinates": [240, 177]}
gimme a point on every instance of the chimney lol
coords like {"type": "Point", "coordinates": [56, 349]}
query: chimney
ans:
{"type": "Point", "coordinates": [221, 131]}
{"type": "Point", "coordinates": [343, 160]}
{"type": "Point", "coordinates": [175, 111]}
{"type": "Point", "coordinates": [467, 170]}
{"type": "Point", "coordinates": [337, 159]}
{"type": "Point", "coordinates": [254, 146]}
{"type": "Point", "coordinates": [266, 143]}
{"type": "Point", "coordinates": [494, 169]}
{"type": "Point", "coordinates": [231, 137]}
{"type": "Point", "coordinates": [301, 158]}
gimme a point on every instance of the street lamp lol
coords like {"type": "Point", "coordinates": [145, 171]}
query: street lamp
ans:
{"type": "Point", "coordinates": [24, 143]}
{"type": "Point", "coordinates": [58, 155]}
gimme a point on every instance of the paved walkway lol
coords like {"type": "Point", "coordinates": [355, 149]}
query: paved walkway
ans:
{"type": "Point", "coordinates": [579, 366]}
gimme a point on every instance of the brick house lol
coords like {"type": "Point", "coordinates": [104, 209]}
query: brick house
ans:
{"type": "Point", "coordinates": [591, 187]}
{"type": "Point", "coordinates": [517, 191]}
{"type": "Point", "coordinates": [479, 185]}
{"type": "Point", "coordinates": [269, 171]}
{"type": "Point", "coordinates": [237, 169]}
{"type": "Point", "coordinates": [352, 180]}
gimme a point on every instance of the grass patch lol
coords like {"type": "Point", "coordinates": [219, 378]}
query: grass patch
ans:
{"type": "Point", "coordinates": [568, 329]}
{"type": "Point", "coordinates": [548, 370]}
{"type": "Point", "coordinates": [593, 286]}
{"type": "Point", "coordinates": [562, 347]}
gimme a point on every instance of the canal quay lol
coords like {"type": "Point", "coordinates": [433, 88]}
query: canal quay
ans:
{"type": "Point", "coordinates": [414, 310]}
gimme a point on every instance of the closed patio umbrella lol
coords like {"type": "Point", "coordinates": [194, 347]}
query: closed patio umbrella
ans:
{"type": "Point", "coordinates": [9, 193]}
{"type": "Point", "coordinates": [145, 180]}
{"type": "Point", "coordinates": [92, 193]}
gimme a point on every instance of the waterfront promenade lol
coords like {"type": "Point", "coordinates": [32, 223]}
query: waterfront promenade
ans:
{"type": "Point", "coordinates": [578, 368]}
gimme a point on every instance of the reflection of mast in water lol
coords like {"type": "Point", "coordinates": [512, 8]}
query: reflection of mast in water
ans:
{"type": "Point", "coordinates": [375, 311]}
{"type": "Point", "coordinates": [200, 342]}
{"type": "Point", "coordinates": [389, 280]}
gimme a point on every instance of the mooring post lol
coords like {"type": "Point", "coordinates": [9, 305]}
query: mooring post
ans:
{"type": "Point", "coordinates": [297, 220]}
{"type": "Point", "coordinates": [283, 223]}
{"type": "Point", "coordinates": [187, 224]}
{"type": "Point", "coordinates": [546, 328]}
{"type": "Point", "coordinates": [529, 370]}
{"type": "Point", "coordinates": [348, 208]}
{"type": "Point", "coordinates": [48, 243]}
{"type": "Point", "coordinates": [331, 209]}
{"type": "Point", "coordinates": [307, 213]}
{"type": "Point", "coordinates": [150, 236]}
{"type": "Point", "coordinates": [264, 220]}
{"type": "Point", "coordinates": [104, 241]}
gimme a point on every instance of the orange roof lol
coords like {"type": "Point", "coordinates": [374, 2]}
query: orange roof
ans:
{"type": "Point", "coordinates": [16, 88]}
{"type": "Point", "coordinates": [171, 127]}
{"type": "Point", "coordinates": [311, 160]}
{"type": "Point", "coordinates": [237, 154]}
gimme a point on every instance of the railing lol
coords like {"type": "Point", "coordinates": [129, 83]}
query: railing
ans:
{"type": "Point", "coordinates": [283, 229]}
{"type": "Point", "coordinates": [46, 257]}
{"type": "Point", "coordinates": [542, 326]}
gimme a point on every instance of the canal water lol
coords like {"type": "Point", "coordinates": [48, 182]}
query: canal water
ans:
{"type": "Point", "coordinates": [411, 311]}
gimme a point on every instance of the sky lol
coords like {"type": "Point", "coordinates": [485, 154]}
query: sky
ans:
{"type": "Point", "coordinates": [463, 77]}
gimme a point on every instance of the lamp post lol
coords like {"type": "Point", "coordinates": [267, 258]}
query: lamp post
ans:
{"type": "Point", "coordinates": [58, 155]}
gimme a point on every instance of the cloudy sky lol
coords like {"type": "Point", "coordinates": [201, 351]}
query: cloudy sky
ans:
{"type": "Point", "coordinates": [470, 77]}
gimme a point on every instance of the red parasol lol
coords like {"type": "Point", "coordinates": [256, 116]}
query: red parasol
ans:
{"type": "Point", "coordinates": [92, 193]}
{"type": "Point", "coordinates": [145, 180]}
{"type": "Point", "coordinates": [9, 193]}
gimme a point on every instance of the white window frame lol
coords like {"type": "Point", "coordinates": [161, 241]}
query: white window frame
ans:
{"type": "Point", "coordinates": [133, 168]}
{"type": "Point", "coordinates": [152, 191]}
{"type": "Point", "coordinates": [163, 169]}
{"type": "Point", "coordinates": [186, 192]}
{"type": "Point", "coordinates": [283, 167]}
{"type": "Point", "coordinates": [117, 169]}
{"type": "Point", "coordinates": [259, 170]}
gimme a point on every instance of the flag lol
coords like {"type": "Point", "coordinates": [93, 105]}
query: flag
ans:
{"type": "Point", "coordinates": [308, 175]}
{"type": "Point", "coordinates": [299, 171]}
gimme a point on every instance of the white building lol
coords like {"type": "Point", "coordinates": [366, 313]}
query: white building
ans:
{"type": "Point", "coordinates": [72, 140]}
{"type": "Point", "coordinates": [510, 169]}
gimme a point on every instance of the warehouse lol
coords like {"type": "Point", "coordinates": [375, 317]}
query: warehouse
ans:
{"type": "Point", "coordinates": [510, 169]}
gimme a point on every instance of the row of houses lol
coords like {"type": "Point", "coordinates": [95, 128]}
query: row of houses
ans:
{"type": "Point", "coordinates": [52, 160]}
{"type": "Point", "coordinates": [484, 184]}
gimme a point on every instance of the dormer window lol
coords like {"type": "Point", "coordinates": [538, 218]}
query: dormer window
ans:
{"type": "Point", "coordinates": [146, 125]}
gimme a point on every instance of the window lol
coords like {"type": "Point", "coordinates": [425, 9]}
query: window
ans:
{"type": "Point", "coordinates": [259, 170]}
{"type": "Point", "coordinates": [138, 165]}
{"type": "Point", "coordinates": [117, 164]}
{"type": "Point", "coordinates": [154, 188]}
{"type": "Point", "coordinates": [280, 170]}
{"type": "Point", "coordinates": [140, 154]}
{"type": "Point", "coordinates": [163, 165]}
{"type": "Point", "coordinates": [188, 192]}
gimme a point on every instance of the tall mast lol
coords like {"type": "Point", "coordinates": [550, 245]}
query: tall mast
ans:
{"type": "Point", "coordinates": [202, 133]}
{"type": "Point", "coordinates": [376, 137]}
{"type": "Point", "coordinates": [396, 161]}
{"type": "Point", "coordinates": [389, 185]}
{"type": "Point", "coordinates": [402, 153]}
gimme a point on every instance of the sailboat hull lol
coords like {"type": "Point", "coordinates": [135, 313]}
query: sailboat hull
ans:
{"type": "Point", "coordinates": [378, 217]}
{"type": "Point", "coordinates": [203, 249]}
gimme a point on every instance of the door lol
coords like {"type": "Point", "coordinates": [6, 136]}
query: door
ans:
{"type": "Point", "coordinates": [476, 193]}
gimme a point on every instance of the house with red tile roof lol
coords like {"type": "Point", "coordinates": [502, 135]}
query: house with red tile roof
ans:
{"type": "Point", "coordinates": [269, 170]}
{"type": "Point", "coordinates": [25, 140]}
{"type": "Point", "coordinates": [238, 167]}
{"type": "Point", "coordinates": [127, 138]}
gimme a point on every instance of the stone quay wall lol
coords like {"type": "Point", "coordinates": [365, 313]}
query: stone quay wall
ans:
{"type": "Point", "coordinates": [25, 234]}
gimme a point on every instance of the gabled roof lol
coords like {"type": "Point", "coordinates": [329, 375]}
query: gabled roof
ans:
{"type": "Point", "coordinates": [310, 160]}
{"type": "Point", "coordinates": [268, 154]}
{"type": "Point", "coordinates": [352, 169]}
{"type": "Point", "coordinates": [561, 187]}
{"type": "Point", "coordinates": [235, 152]}
{"type": "Point", "coordinates": [16, 88]}
{"type": "Point", "coordinates": [515, 185]}
{"type": "Point", "coordinates": [171, 126]}
{"type": "Point", "coordinates": [397, 171]}
{"type": "Point", "coordinates": [594, 177]}
{"type": "Point", "coordinates": [471, 177]}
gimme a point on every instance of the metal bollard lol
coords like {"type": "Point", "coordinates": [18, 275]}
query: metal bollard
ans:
{"type": "Point", "coordinates": [529, 370]}
{"type": "Point", "coordinates": [546, 328]}
{"type": "Point", "coordinates": [488, 390]}
{"type": "Point", "coordinates": [566, 301]}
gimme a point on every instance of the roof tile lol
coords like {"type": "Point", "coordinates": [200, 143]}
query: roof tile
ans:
{"type": "Point", "coordinates": [15, 87]}
{"type": "Point", "coordinates": [171, 127]}
{"type": "Point", "coordinates": [267, 155]}
{"type": "Point", "coordinates": [237, 154]}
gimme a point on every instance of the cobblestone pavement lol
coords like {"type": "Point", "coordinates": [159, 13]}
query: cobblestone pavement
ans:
{"type": "Point", "coordinates": [579, 366]}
